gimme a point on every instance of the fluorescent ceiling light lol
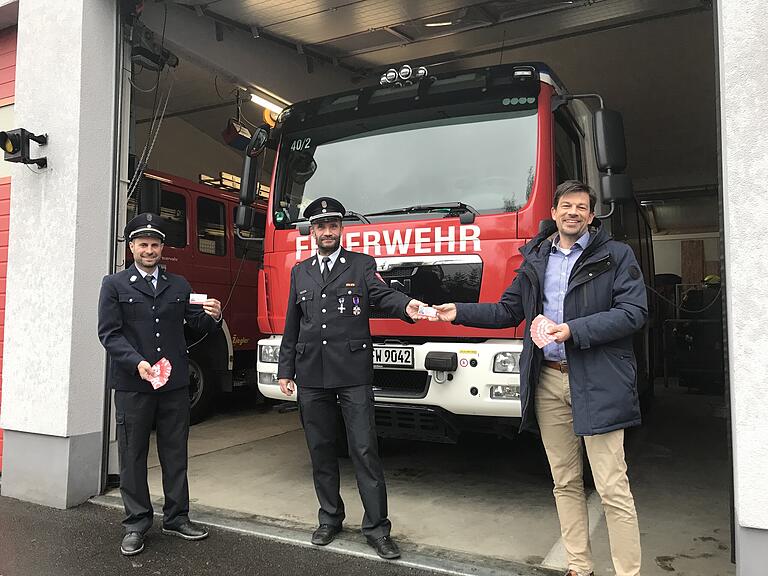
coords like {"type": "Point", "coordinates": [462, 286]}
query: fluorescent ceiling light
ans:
{"type": "Point", "coordinates": [436, 24]}
{"type": "Point", "coordinates": [266, 104]}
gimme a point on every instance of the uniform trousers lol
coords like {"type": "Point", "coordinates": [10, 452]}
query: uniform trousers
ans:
{"type": "Point", "coordinates": [609, 468]}
{"type": "Point", "coordinates": [319, 409]}
{"type": "Point", "coordinates": [136, 413]}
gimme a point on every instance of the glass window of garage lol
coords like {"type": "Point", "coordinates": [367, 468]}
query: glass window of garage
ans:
{"type": "Point", "coordinates": [251, 249]}
{"type": "Point", "coordinates": [211, 238]}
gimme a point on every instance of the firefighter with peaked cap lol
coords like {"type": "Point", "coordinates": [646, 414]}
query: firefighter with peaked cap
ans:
{"type": "Point", "coordinates": [327, 352]}
{"type": "Point", "coordinates": [142, 311]}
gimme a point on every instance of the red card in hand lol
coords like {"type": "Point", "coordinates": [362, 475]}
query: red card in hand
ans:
{"type": "Point", "coordinates": [161, 371]}
{"type": "Point", "coordinates": [539, 328]}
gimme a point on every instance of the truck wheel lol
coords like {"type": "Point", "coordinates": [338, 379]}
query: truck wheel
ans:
{"type": "Point", "coordinates": [202, 391]}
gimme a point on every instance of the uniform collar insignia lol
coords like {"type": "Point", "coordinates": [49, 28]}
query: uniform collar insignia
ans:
{"type": "Point", "coordinates": [343, 260]}
{"type": "Point", "coordinates": [133, 278]}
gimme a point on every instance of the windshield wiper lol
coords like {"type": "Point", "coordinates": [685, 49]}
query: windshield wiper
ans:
{"type": "Point", "coordinates": [466, 212]}
{"type": "Point", "coordinates": [361, 217]}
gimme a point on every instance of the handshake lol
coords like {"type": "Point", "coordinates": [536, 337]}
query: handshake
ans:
{"type": "Point", "coordinates": [420, 311]}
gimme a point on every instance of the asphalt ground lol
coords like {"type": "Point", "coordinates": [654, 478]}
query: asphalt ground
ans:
{"type": "Point", "coordinates": [84, 541]}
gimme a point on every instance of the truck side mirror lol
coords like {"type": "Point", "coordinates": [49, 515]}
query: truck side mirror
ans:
{"type": "Point", "coordinates": [245, 217]}
{"type": "Point", "coordinates": [616, 188]}
{"type": "Point", "coordinates": [148, 196]}
{"type": "Point", "coordinates": [250, 180]}
{"type": "Point", "coordinates": [610, 149]}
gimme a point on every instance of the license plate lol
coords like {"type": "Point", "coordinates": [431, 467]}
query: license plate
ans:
{"type": "Point", "coordinates": [393, 356]}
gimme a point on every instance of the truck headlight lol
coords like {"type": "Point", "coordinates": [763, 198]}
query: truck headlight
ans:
{"type": "Point", "coordinates": [269, 353]}
{"type": "Point", "coordinates": [507, 362]}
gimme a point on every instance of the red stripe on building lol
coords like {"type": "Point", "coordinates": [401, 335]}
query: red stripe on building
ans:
{"type": "Point", "coordinates": [5, 196]}
{"type": "Point", "coordinates": [7, 94]}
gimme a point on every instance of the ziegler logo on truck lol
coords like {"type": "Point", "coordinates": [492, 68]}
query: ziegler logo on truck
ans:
{"type": "Point", "coordinates": [398, 242]}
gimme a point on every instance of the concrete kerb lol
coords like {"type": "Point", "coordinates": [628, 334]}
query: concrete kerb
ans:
{"type": "Point", "coordinates": [422, 557]}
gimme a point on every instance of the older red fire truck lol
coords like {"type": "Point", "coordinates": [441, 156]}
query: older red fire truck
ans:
{"type": "Point", "coordinates": [444, 178]}
{"type": "Point", "coordinates": [201, 245]}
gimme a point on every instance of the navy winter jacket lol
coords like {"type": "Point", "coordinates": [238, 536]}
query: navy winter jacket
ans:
{"type": "Point", "coordinates": [604, 306]}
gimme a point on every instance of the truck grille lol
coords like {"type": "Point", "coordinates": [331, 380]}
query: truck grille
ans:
{"type": "Point", "coordinates": [435, 282]}
{"type": "Point", "coordinates": [400, 383]}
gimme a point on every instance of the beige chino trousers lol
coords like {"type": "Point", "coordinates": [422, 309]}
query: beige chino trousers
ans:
{"type": "Point", "coordinates": [606, 457]}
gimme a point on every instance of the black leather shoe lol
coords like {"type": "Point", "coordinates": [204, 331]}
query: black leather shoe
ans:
{"type": "Point", "coordinates": [385, 547]}
{"type": "Point", "coordinates": [133, 543]}
{"type": "Point", "coordinates": [324, 534]}
{"type": "Point", "coordinates": [187, 530]}
{"type": "Point", "coordinates": [574, 573]}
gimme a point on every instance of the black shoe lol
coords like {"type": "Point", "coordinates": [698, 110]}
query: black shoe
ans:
{"type": "Point", "coordinates": [324, 534]}
{"type": "Point", "coordinates": [187, 530]}
{"type": "Point", "coordinates": [385, 547]}
{"type": "Point", "coordinates": [133, 543]}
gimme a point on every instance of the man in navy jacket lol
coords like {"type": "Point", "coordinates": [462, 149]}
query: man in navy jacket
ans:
{"type": "Point", "coordinates": [582, 385]}
{"type": "Point", "coordinates": [141, 320]}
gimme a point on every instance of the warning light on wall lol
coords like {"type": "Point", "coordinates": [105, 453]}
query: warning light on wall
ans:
{"type": "Point", "coordinates": [15, 144]}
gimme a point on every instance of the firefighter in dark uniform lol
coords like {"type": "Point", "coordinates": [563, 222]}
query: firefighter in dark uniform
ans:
{"type": "Point", "coordinates": [141, 320]}
{"type": "Point", "coordinates": [327, 351]}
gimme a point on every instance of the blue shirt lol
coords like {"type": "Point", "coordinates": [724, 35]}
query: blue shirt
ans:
{"type": "Point", "coordinates": [559, 266]}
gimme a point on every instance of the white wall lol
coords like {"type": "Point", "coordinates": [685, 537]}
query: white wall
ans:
{"type": "Point", "coordinates": [666, 251]}
{"type": "Point", "coordinates": [743, 29]}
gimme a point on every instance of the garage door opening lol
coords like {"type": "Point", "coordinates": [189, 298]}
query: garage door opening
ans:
{"type": "Point", "coordinates": [247, 453]}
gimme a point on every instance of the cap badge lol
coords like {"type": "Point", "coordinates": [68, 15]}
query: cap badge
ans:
{"type": "Point", "coordinates": [324, 204]}
{"type": "Point", "coordinates": [149, 217]}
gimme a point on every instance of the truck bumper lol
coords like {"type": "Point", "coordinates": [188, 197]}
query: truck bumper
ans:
{"type": "Point", "coordinates": [473, 389]}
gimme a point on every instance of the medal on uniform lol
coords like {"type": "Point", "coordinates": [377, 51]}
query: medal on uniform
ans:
{"type": "Point", "coordinates": [341, 305]}
{"type": "Point", "coordinates": [356, 301]}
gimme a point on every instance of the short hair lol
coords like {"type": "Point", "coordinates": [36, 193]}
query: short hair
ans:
{"type": "Point", "coordinates": [570, 186]}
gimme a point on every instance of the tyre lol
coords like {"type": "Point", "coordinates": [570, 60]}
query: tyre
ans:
{"type": "Point", "coordinates": [202, 390]}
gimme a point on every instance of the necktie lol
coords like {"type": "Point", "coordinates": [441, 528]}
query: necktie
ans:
{"type": "Point", "coordinates": [326, 268]}
{"type": "Point", "coordinates": [149, 278]}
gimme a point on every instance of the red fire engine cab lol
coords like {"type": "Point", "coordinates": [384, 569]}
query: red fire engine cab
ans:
{"type": "Point", "coordinates": [444, 178]}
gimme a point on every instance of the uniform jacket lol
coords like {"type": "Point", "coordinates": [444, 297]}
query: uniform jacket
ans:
{"type": "Point", "coordinates": [136, 324]}
{"type": "Point", "coordinates": [327, 340]}
{"type": "Point", "coordinates": [605, 304]}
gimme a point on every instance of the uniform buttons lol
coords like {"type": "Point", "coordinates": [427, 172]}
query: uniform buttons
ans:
{"type": "Point", "coordinates": [323, 310]}
{"type": "Point", "coordinates": [158, 349]}
{"type": "Point", "coordinates": [153, 307]}
{"type": "Point", "coordinates": [349, 291]}
{"type": "Point", "coordinates": [303, 297]}
{"type": "Point", "coordinates": [157, 320]}
{"type": "Point", "coordinates": [325, 342]}
{"type": "Point", "coordinates": [590, 273]}
{"type": "Point", "coordinates": [322, 295]}
{"type": "Point", "coordinates": [365, 345]}
{"type": "Point", "coordinates": [323, 325]}
{"type": "Point", "coordinates": [130, 299]}
{"type": "Point", "coordinates": [157, 335]}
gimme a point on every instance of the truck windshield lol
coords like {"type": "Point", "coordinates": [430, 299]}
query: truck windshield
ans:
{"type": "Point", "coordinates": [484, 161]}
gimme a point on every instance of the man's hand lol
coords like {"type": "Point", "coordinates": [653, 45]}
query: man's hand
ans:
{"type": "Point", "coordinates": [287, 386]}
{"type": "Point", "coordinates": [561, 332]}
{"type": "Point", "coordinates": [145, 370]}
{"type": "Point", "coordinates": [445, 312]}
{"type": "Point", "coordinates": [413, 309]}
{"type": "Point", "coordinates": [212, 307]}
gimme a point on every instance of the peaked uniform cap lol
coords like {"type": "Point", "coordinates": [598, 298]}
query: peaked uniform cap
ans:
{"type": "Point", "coordinates": [324, 207]}
{"type": "Point", "coordinates": [145, 225]}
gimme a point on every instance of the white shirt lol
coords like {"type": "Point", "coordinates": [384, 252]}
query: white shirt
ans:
{"type": "Point", "coordinates": [333, 258]}
{"type": "Point", "coordinates": [154, 274]}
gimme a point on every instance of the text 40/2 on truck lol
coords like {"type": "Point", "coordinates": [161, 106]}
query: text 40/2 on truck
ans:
{"type": "Point", "coordinates": [445, 177]}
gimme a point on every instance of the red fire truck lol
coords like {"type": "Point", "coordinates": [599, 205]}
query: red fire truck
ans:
{"type": "Point", "coordinates": [201, 245]}
{"type": "Point", "coordinates": [444, 178]}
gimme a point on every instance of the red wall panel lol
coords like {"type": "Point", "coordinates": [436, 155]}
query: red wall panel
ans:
{"type": "Point", "coordinates": [7, 88]}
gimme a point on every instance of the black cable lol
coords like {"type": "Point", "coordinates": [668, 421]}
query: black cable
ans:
{"type": "Point", "coordinates": [681, 308]}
